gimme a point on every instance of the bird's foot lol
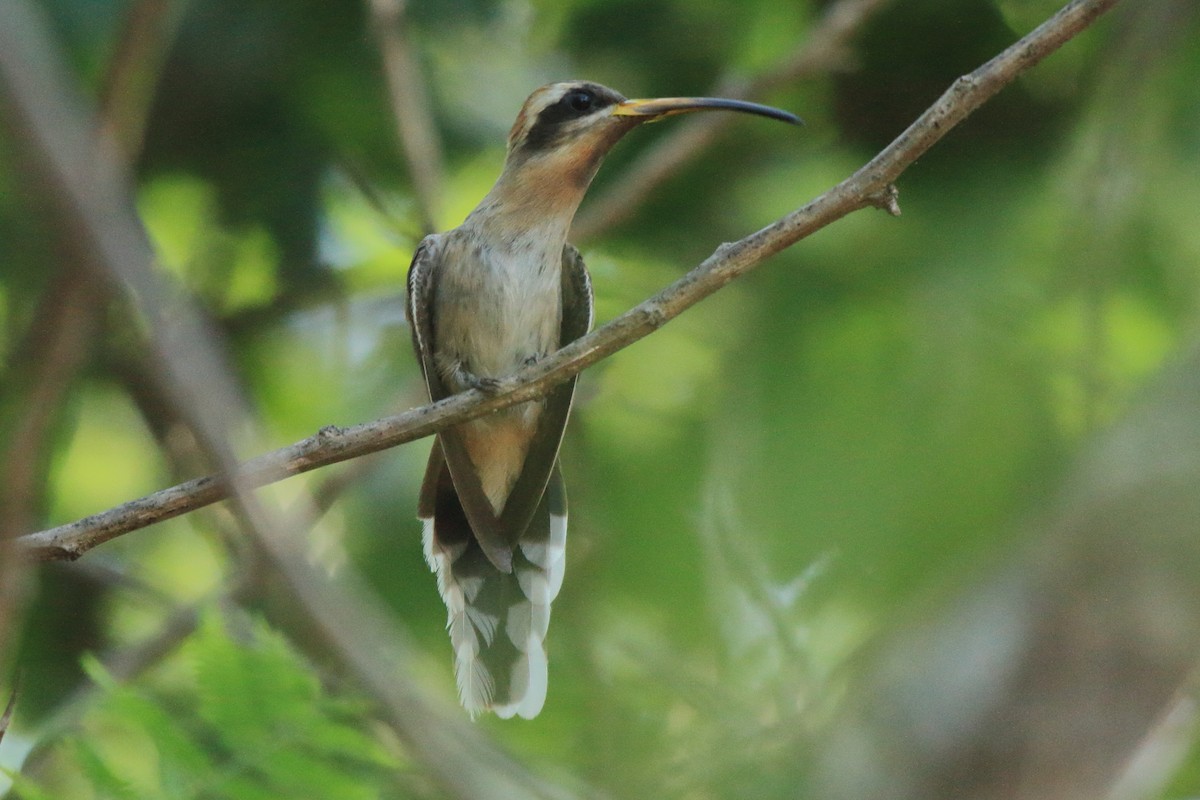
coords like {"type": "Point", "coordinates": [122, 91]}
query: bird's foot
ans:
{"type": "Point", "coordinates": [459, 376]}
{"type": "Point", "coordinates": [486, 385]}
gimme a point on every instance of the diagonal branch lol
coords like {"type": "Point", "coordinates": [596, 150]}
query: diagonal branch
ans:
{"type": "Point", "coordinates": [869, 186]}
{"type": "Point", "coordinates": [149, 29]}
{"type": "Point", "coordinates": [6, 717]}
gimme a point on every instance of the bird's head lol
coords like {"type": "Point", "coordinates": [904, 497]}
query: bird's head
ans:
{"type": "Point", "coordinates": [565, 129]}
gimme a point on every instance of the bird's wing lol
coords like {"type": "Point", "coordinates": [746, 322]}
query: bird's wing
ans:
{"type": "Point", "coordinates": [543, 449]}
{"type": "Point", "coordinates": [422, 284]}
{"type": "Point", "coordinates": [449, 448]}
{"type": "Point", "coordinates": [577, 296]}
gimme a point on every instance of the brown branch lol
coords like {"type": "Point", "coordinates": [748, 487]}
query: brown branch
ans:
{"type": "Point", "coordinates": [134, 68]}
{"type": "Point", "coordinates": [824, 49]}
{"type": "Point", "coordinates": [410, 108]}
{"type": "Point", "coordinates": [9, 708]}
{"type": "Point", "coordinates": [332, 444]}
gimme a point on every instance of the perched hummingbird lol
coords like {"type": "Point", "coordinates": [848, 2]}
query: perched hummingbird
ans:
{"type": "Point", "coordinates": [501, 291]}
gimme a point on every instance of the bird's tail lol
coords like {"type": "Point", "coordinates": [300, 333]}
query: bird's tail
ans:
{"type": "Point", "coordinates": [497, 621]}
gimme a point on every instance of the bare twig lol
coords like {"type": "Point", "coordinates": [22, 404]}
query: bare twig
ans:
{"type": "Point", "coordinates": [6, 717]}
{"type": "Point", "coordinates": [332, 444]}
{"type": "Point", "coordinates": [410, 108]}
{"type": "Point", "coordinates": [825, 48]}
{"type": "Point", "coordinates": [133, 72]}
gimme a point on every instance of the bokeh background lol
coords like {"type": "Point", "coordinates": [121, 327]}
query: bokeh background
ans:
{"type": "Point", "coordinates": [909, 511]}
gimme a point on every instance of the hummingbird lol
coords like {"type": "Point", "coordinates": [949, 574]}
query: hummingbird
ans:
{"type": "Point", "coordinates": [499, 292]}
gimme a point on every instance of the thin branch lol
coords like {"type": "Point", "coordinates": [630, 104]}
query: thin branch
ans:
{"type": "Point", "coordinates": [331, 445]}
{"type": "Point", "coordinates": [825, 48]}
{"type": "Point", "coordinates": [9, 708]}
{"type": "Point", "coordinates": [134, 68]}
{"type": "Point", "coordinates": [410, 107]}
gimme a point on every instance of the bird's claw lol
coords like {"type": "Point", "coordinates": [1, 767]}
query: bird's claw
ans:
{"type": "Point", "coordinates": [486, 385]}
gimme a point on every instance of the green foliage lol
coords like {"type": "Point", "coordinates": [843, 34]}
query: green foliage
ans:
{"type": "Point", "coordinates": [251, 720]}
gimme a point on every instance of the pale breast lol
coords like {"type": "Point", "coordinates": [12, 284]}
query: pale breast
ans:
{"type": "Point", "coordinates": [498, 304]}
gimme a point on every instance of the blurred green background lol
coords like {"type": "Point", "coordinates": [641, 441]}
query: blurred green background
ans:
{"type": "Point", "coordinates": [761, 491]}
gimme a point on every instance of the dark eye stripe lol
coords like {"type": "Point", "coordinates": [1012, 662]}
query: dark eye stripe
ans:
{"type": "Point", "coordinates": [549, 127]}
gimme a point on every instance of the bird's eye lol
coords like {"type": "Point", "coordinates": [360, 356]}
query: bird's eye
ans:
{"type": "Point", "coordinates": [579, 100]}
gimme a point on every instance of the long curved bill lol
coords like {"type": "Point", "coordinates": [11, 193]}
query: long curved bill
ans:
{"type": "Point", "coordinates": [660, 107]}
